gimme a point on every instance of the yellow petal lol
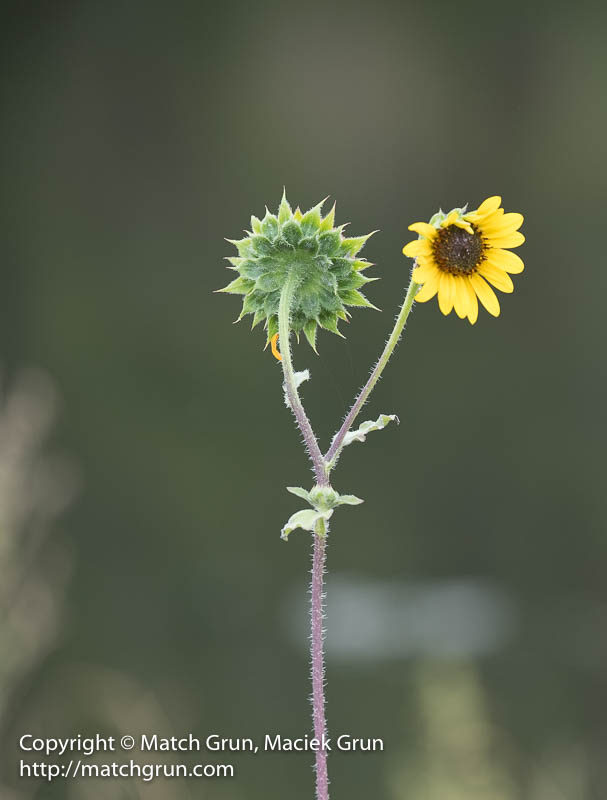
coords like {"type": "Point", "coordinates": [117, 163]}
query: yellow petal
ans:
{"type": "Point", "coordinates": [424, 229]}
{"type": "Point", "coordinates": [505, 260]}
{"type": "Point", "coordinates": [274, 346]}
{"type": "Point", "coordinates": [423, 272]}
{"type": "Point", "coordinates": [416, 248]}
{"type": "Point", "coordinates": [446, 292]}
{"type": "Point", "coordinates": [496, 276]}
{"type": "Point", "coordinates": [461, 223]}
{"type": "Point", "coordinates": [499, 230]}
{"type": "Point", "coordinates": [449, 219]}
{"type": "Point", "coordinates": [507, 223]}
{"type": "Point", "coordinates": [491, 219]}
{"type": "Point", "coordinates": [488, 206]}
{"type": "Point", "coordinates": [460, 300]}
{"type": "Point", "coordinates": [472, 303]}
{"type": "Point", "coordinates": [485, 294]}
{"type": "Point", "coordinates": [428, 290]}
{"type": "Point", "coordinates": [509, 240]}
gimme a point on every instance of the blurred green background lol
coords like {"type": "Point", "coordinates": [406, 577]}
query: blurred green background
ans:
{"type": "Point", "coordinates": [467, 615]}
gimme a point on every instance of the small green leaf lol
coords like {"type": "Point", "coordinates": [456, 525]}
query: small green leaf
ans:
{"type": "Point", "coordinates": [299, 378]}
{"type": "Point", "coordinates": [292, 232]}
{"type": "Point", "coordinates": [262, 245]}
{"type": "Point", "coordinates": [271, 303]}
{"type": "Point", "coordinates": [284, 210]}
{"type": "Point", "coordinates": [328, 243]}
{"type": "Point", "coordinates": [349, 500]}
{"type": "Point", "coordinates": [342, 267]}
{"type": "Point", "coordinates": [309, 244]}
{"type": "Point", "coordinates": [306, 520]}
{"type": "Point", "coordinates": [309, 305]}
{"type": "Point", "coordinates": [251, 269]}
{"type": "Point", "coordinates": [354, 281]}
{"type": "Point", "coordinates": [244, 246]}
{"type": "Point", "coordinates": [351, 246]}
{"type": "Point", "coordinates": [361, 264]}
{"type": "Point", "coordinates": [238, 286]}
{"type": "Point", "coordinates": [268, 282]}
{"type": "Point", "coordinates": [299, 491]}
{"type": "Point", "coordinates": [328, 320]}
{"type": "Point", "coordinates": [255, 225]}
{"type": "Point", "coordinates": [310, 329]}
{"type": "Point", "coordinates": [437, 218]}
{"type": "Point", "coordinates": [269, 225]}
{"type": "Point", "coordinates": [351, 297]}
{"type": "Point", "coordinates": [252, 303]}
{"type": "Point", "coordinates": [272, 326]}
{"type": "Point", "coordinates": [329, 220]}
{"type": "Point", "coordinates": [360, 434]}
{"type": "Point", "coordinates": [310, 222]}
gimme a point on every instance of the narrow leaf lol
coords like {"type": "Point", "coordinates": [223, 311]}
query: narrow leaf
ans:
{"type": "Point", "coordinates": [329, 220]}
{"type": "Point", "coordinates": [349, 500]}
{"type": "Point", "coordinates": [310, 222]}
{"type": "Point", "coordinates": [272, 326]}
{"type": "Point", "coordinates": [238, 286]}
{"type": "Point", "coordinates": [352, 297]}
{"type": "Point", "coordinates": [354, 244]}
{"type": "Point", "coordinates": [360, 434]}
{"type": "Point", "coordinates": [284, 210]}
{"type": "Point", "coordinates": [299, 491]}
{"type": "Point", "coordinates": [310, 329]}
{"type": "Point", "coordinates": [269, 225]}
{"type": "Point", "coordinates": [328, 320]}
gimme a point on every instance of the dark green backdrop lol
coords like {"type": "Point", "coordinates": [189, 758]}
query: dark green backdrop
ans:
{"type": "Point", "coordinates": [135, 137]}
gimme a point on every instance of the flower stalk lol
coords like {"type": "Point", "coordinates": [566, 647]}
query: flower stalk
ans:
{"type": "Point", "coordinates": [337, 444]}
{"type": "Point", "coordinates": [303, 423]}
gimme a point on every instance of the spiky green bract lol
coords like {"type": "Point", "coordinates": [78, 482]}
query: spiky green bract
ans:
{"type": "Point", "coordinates": [324, 261]}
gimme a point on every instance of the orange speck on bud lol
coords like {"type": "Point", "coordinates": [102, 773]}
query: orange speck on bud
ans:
{"type": "Point", "coordinates": [274, 346]}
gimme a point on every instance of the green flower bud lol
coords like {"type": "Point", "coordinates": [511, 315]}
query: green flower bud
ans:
{"type": "Point", "coordinates": [328, 272]}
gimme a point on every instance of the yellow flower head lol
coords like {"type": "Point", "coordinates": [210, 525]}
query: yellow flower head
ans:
{"type": "Point", "coordinates": [459, 254]}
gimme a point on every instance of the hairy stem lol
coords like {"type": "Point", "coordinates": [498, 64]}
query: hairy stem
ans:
{"type": "Point", "coordinates": [322, 465]}
{"type": "Point", "coordinates": [317, 659]}
{"type": "Point", "coordinates": [319, 537]}
{"type": "Point", "coordinates": [303, 423]}
{"type": "Point", "coordinates": [334, 451]}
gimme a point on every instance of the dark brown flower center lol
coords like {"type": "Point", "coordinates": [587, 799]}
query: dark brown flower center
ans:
{"type": "Point", "coordinates": [457, 251]}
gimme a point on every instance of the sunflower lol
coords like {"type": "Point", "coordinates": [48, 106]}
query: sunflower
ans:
{"type": "Point", "coordinates": [460, 253]}
{"type": "Point", "coordinates": [327, 264]}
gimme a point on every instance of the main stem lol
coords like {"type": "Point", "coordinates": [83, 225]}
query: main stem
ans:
{"type": "Point", "coordinates": [317, 661]}
{"type": "Point", "coordinates": [334, 451]}
{"type": "Point", "coordinates": [322, 466]}
{"type": "Point", "coordinates": [321, 473]}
